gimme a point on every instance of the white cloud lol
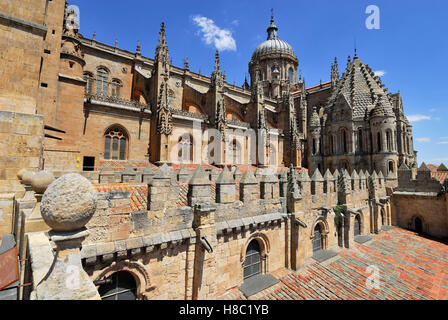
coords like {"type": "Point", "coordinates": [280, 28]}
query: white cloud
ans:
{"type": "Point", "coordinates": [380, 73]}
{"type": "Point", "coordinates": [221, 38]}
{"type": "Point", "coordinates": [443, 138]}
{"type": "Point", "coordinates": [418, 117]}
{"type": "Point", "coordinates": [236, 23]}
{"type": "Point", "coordinates": [423, 139]}
{"type": "Point", "coordinates": [442, 142]}
{"type": "Point", "coordinates": [432, 110]}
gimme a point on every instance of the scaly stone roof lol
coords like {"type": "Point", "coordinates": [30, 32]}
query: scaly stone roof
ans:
{"type": "Point", "coordinates": [362, 91]}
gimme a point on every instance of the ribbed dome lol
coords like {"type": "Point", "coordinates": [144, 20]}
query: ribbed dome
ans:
{"type": "Point", "coordinates": [273, 46]}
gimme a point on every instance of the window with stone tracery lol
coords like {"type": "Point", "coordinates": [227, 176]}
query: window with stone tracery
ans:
{"type": "Point", "coordinates": [116, 84]}
{"type": "Point", "coordinates": [88, 78]}
{"type": "Point", "coordinates": [115, 144]}
{"type": "Point", "coordinates": [102, 82]}
{"type": "Point", "coordinates": [185, 148]}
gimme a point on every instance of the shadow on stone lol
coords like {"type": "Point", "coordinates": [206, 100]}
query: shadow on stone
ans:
{"type": "Point", "coordinates": [258, 283]}
{"type": "Point", "coordinates": [362, 239]}
{"type": "Point", "coordinates": [386, 228]}
{"type": "Point", "coordinates": [323, 255]}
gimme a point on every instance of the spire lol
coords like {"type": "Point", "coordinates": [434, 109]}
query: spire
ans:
{"type": "Point", "coordinates": [334, 73]}
{"type": "Point", "coordinates": [272, 29]}
{"type": "Point", "coordinates": [162, 39]}
{"type": "Point", "coordinates": [186, 64]}
{"type": "Point", "coordinates": [217, 61]}
{"type": "Point", "coordinates": [139, 52]}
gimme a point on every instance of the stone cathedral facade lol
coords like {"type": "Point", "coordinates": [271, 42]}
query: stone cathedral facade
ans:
{"type": "Point", "coordinates": [196, 185]}
{"type": "Point", "coordinates": [100, 104]}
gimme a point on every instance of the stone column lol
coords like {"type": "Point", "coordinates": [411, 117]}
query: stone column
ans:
{"type": "Point", "coordinates": [267, 185]}
{"type": "Point", "coordinates": [249, 188]}
{"type": "Point", "coordinates": [159, 189]}
{"type": "Point", "coordinates": [198, 188]}
{"type": "Point", "coordinates": [205, 271]}
{"type": "Point", "coordinates": [67, 206]}
{"type": "Point", "coordinates": [283, 183]}
{"type": "Point", "coordinates": [225, 187]}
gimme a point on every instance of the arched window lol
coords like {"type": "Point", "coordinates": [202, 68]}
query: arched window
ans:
{"type": "Point", "coordinates": [88, 78]}
{"type": "Point", "coordinates": [344, 140]}
{"type": "Point", "coordinates": [236, 152]}
{"type": "Point", "coordinates": [115, 144]}
{"type": "Point", "coordinates": [291, 75]}
{"type": "Point", "coordinates": [116, 84]}
{"type": "Point", "coordinates": [389, 141]}
{"type": "Point", "coordinates": [252, 262]}
{"type": "Point", "coordinates": [102, 82]}
{"type": "Point", "coordinates": [314, 146]}
{"type": "Point", "coordinates": [317, 239]}
{"type": "Point", "coordinates": [391, 166]}
{"type": "Point", "coordinates": [360, 137]}
{"type": "Point", "coordinates": [378, 141]}
{"type": "Point", "coordinates": [357, 226]}
{"type": "Point", "coordinates": [185, 147]}
{"type": "Point", "coordinates": [333, 144]}
{"type": "Point", "coordinates": [119, 286]}
{"type": "Point", "coordinates": [418, 225]}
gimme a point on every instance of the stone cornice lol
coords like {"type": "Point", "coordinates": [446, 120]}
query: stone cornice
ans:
{"type": "Point", "coordinates": [37, 28]}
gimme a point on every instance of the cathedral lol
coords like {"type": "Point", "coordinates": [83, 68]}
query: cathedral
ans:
{"type": "Point", "coordinates": [112, 104]}
{"type": "Point", "coordinates": [156, 182]}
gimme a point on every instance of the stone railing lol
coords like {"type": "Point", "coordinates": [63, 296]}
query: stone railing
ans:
{"type": "Point", "coordinates": [238, 123]}
{"type": "Point", "coordinates": [188, 114]}
{"type": "Point", "coordinates": [110, 99]}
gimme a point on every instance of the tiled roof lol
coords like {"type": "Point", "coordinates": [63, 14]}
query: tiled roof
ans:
{"type": "Point", "coordinates": [440, 176]}
{"type": "Point", "coordinates": [410, 268]}
{"type": "Point", "coordinates": [139, 195]}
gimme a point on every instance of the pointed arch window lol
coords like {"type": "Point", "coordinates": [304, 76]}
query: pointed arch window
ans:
{"type": "Point", "coordinates": [360, 138]}
{"type": "Point", "coordinates": [88, 78]}
{"type": "Point", "coordinates": [102, 82]}
{"type": "Point", "coordinates": [115, 144]}
{"type": "Point", "coordinates": [291, 75]}
{"type": "Point", "coordinates": [116, 84]}
{"type": "Point", "coordinates": [389, 140]}
{"type": "Point", "coordinates": [236, 152]}
{"type": "Point", "coordinates": [378, 141]}
{"type": "Point", "coordinates": [185, 148]}
{"type": "Point", "coordinates": [344, 140]}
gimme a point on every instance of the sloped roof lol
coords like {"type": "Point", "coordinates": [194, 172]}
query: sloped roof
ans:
{"type": "Point", "coordinates": [362, 90]}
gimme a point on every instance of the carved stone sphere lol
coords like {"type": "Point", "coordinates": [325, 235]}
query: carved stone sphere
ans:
{"type": "Point", "coordinates": [69, 203]}
{"type": "Point", "coordinates": [21, 173]}
{"type": "Point", "coordinates": [27, 177]}
{"type": "Point", "coordinates": [41, 180]}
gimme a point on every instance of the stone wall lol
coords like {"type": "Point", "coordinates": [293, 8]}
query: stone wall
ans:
{"type": "Point", "coordinates": [432, 210]}
{"type": "Point", "coordinates": [197, 251]}
{"type": "Point", "coordinates": [21, 139]}
{"type": "Point", "coordinates": [421, 196]}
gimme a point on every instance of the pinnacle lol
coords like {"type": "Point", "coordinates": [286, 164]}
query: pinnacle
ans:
{"type": "Point", "coordinates": [248, 177]}
{"type": "Point", "coordinates": [199, 177]}
{"type": "Point", "coordinates": [317, 176]}
{"type": "Point", "coordinates": [225, 177]}
{"type": "Point", "coordinates": [423, 167]}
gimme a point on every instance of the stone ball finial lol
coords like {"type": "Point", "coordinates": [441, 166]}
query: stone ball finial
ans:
{"type": "Point", "coordinates": [21, 173]}
{"type": "Point", "coordinates": [27, 177]}
{"type": "Point", "coordinates": [41, 180]}
{"type": "Point", "coordinates": [69, 203]}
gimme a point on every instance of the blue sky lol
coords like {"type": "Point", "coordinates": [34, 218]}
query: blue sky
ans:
{"type": "Point", "coordinates": [410, 48]}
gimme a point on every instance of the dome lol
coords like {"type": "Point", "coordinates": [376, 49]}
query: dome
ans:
{"type": "Point", "coordinates": [273, 45]}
